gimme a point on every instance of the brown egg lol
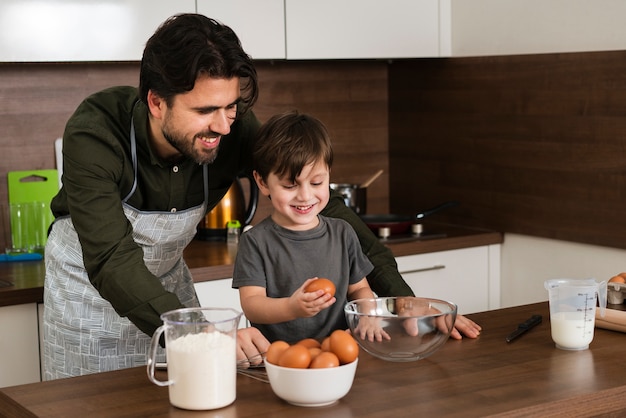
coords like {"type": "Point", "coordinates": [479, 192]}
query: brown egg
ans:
{"type": "Point", "coordinates": [296, 356]}
{"type": "Point", "coordinates": [344, 346]}
{"type": "Point", "coordinates": [324, 360]}
{"type": "Point", "coordinates": [275, 351]}
{"type": "Point", "coordinates": [617, 279]}
{"type": "Point", "coordinates": [309, 343]}
{"type": "Point", "coordinates": [325, 344]}
{"type": "Point", "coordinates": [321, 284]}
{"type": "Point", "coordinates": [314, 351]}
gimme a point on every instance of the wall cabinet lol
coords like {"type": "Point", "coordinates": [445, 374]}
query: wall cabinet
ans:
{"type": "Point", "coordinates": [469, 277]}
{"type": "Point", "coordinates": [19, 345]}
{"type": "Point", "coordinates": [514, 27]}
{"type": "Point", "coordinates": [332, 29]}
{"type": "Point", "coordinates": [86, 30]}
{"type": "Point", "coordinates": [259, 24]}
{"type": "Point", "coordinates": [117, 30]}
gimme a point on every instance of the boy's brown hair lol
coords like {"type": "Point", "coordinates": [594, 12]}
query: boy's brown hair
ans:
{"type": "Point", "coordinates": [288, 142]}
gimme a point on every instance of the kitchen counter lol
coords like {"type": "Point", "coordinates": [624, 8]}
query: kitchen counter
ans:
{"type": "Point", "coordinates": [467, 378]}
{"type": "Point", "coordinates": [22, 282]}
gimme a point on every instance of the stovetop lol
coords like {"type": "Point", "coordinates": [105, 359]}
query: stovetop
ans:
{"type": "Point", "coordinates": [398, 238]}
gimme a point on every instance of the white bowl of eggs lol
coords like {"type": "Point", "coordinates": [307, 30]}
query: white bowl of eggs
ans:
{"type": "Point", "coordinates": [305, 374]}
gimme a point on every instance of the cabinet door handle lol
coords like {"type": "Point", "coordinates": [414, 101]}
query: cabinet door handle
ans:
{"type": "Point", "coordinates": [435, 267]}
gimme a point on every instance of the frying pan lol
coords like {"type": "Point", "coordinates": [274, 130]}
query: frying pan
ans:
{"type": "Point", "coordinates": [401, 224]}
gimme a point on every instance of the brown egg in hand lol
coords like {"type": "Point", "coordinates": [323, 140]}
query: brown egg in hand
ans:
{"type": "Point", "coordinates": [321, 284]}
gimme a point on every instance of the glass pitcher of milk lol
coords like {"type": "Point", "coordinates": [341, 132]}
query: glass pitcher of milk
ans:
{"type": "Point", "coordinates": [201, 352]}
{"type": "Point", "coordinates": [573, 310]}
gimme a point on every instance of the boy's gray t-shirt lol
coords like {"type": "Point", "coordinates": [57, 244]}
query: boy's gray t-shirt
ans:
{"type": "Point", "coordinates": [281, 260]}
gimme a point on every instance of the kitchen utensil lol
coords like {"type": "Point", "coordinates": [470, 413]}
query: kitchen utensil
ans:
{"type": "Point", "coordinates": [401, 224]}
{"type": "Point", "coordinates": [522, 328]}
{"type": "Point", "coordinates": [354, 197]}
{"type": "Point", "coordinates": [616, 293]}
{"type": "Point", "coordinates": [201, 357]}
{"type": "Point", "coordinates": [25, 229]}
{"type": "Point", "coordinates": [369, 181]}
{"type": "Point", "coordinates": [232, 207]}
{"type": "Point", "coordinates": [30, 193]}
{"type": "Point", "coordinates": [417, 327]}
{"type": "Point", "coordinates": [572, 310]}
{"type": "Point", "coordinates": [32, 185]}
{"type": "Point", "coordinates": [613, 319]}
{"type": "Point", "coordinates": [311, 387]}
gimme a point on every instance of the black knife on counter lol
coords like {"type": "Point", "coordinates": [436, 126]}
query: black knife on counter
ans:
{"type": "Point", "coordinates": [523, 327]}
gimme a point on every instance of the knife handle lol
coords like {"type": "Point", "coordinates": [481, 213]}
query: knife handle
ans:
{"type": "Point", "coordinates": [531, 322]}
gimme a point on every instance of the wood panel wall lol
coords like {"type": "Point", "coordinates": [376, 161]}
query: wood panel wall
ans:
{"type": "Point", "coordinates": [349, 97]}
{"type": "Point", "coordinates": [532, 144]}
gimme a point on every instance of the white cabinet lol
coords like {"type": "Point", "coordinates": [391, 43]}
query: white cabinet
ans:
{"type": "Point", "coordinates": [512, 27]}
{"type": "Point", "coordinates": [469, 277]}
{"type": "Point", "coordinates": [117, 30]}
{"type": "Point", "coordinates": [364, 28]}
{"type": "Point", "coordinates": [86, 30]}
{"type": "Point", "coordinates": [19, 345]}
{"type": "Point", "coordinates": [259, 24]}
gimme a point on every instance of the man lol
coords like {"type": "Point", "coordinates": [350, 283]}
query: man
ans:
{"type": "Point", "coordinates": [140, 170]}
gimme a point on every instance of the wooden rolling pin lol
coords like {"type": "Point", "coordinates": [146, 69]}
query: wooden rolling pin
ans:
{"type": "Point", "coordinates": [613, 319]}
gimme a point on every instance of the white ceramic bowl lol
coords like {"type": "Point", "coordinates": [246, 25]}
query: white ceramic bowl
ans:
{"type": "Point", "coordinates": [311, 387]}
{"type": "Point", "coordinates": [417, 327]}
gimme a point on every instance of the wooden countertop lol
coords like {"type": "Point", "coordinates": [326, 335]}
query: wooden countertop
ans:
{"type": "Point", "coordinates": [467, 378]}
{"type": "Point", "coordinates": [22, 282]}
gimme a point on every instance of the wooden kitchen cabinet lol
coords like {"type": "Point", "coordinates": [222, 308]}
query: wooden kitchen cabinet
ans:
{"type": "Point", "coordinates": [331, 29]}
{"type": "Point", "coordinates": [86, 30]}
{"type": "Point", "coordinates": [469, 277]}
{"type": "Point", "coordinates": [19, 345]}
{"type": "Point", "coordinates": [259, 24]}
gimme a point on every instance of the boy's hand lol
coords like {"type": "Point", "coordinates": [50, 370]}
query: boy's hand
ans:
{"type": "Point", "coordinates": [369, 328]}
{"type": "Point", "coordinates": [306, 304]}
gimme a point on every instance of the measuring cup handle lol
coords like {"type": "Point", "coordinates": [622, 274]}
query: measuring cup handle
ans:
{"type": "Point", "coordinates": [154, 345]}
{"type": "Point", "coordinates": [602, 295]}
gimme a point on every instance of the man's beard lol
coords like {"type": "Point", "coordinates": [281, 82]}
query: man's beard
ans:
{"type": "Point", "coordinates": [188, 150]}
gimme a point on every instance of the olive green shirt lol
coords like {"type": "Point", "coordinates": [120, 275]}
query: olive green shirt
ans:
{"type": "Point", "coordinates": [98, 174]}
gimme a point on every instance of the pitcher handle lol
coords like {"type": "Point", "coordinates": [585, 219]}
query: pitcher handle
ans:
{"type": "Point", "coordinates": [602, 291]}
{"type": "Point", "coordinates": [154, 345]}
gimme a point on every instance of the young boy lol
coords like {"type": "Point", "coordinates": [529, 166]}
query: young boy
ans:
{"type": "Point", "coordinates": [283, 254]}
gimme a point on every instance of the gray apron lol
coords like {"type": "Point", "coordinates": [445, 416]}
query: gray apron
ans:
{"type": "Point", "coordinates": [82, 332]}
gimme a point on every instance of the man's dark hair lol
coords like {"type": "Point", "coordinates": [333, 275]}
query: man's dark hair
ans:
{"type": "Point", "coordinates": [190, 45]}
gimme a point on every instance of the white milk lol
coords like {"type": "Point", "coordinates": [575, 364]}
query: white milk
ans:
{"type": "Point", "coordinates": [570, 331]}
{"type": "Point", "coordinates": [203, 370]}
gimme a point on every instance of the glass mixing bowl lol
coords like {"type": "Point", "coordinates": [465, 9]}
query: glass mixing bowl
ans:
{"type": "Point", "coordinates": [412, 328]}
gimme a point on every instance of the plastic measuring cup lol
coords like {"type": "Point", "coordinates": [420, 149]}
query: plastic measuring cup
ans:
{"type": "Point", "coordinates": [201, 356]}
{"type": "Point", "coordinates": [573, 310]}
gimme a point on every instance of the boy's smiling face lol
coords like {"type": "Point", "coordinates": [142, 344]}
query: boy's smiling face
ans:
{"type": "Point", "coordinates": [297, 204]}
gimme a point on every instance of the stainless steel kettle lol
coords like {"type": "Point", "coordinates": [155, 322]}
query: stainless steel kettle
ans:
{"type": "Point", "coordinates": [231, 207]}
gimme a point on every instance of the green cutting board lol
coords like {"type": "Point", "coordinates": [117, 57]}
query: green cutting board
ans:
{"type": "Point", "coordinates": [32, 185]}
{"type": "Point", "coordinates": [30, 221]}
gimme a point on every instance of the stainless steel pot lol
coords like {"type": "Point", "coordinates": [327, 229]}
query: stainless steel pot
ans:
{"type": "Point", "coordinates": [354, 196]}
